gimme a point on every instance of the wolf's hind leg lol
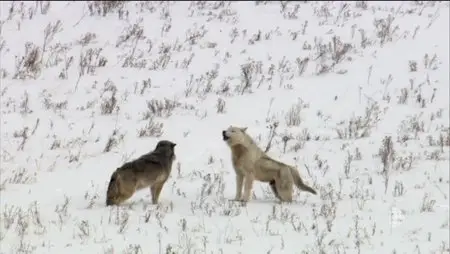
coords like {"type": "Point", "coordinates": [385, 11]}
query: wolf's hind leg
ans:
{"type": "Point", "coordinates": [124, 196]}
{"type": "Point", "coordinates": [119, 190]}
{"type": "Point", "coordinates": [285, 186]}
{"type": "Point", "coordinates": [121, 196]}
{"type": "Point", "coordinates": [285, 194]}
{"type": "Point", "coordinates": [273, 187]}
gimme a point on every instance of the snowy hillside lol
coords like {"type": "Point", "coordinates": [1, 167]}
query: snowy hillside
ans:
{"type": "Point", "coordinates": [354, 94]}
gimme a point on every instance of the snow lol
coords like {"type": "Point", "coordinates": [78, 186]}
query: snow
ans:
{"type": "Point", "coordinates": [394, 78]}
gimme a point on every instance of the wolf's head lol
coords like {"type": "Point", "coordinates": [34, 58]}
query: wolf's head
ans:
{"type": "Point", "coordinates": [166, 148]}
{"type": "Point", "coordinates": [235, 135]}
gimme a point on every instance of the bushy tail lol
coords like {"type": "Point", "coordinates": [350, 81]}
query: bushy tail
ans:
{"type": "Point", "coordinates": [299, 182]}
{"type": "Point", "coordinates": [113, 189]}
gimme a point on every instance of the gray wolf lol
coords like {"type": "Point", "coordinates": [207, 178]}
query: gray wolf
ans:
{"type": "Point", "coordinates": [250, 163]}
{"type": "Point", "coordinates": [150, 170]}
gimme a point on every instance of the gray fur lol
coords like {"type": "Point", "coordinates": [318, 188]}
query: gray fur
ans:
{"type": "Point", "coordinates": [149, 170]}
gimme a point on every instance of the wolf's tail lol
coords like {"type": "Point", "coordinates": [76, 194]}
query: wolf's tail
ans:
{"type": "Point", "coordinates": [299, 182]}
{"type": "Point", "coordinates": [113, 189]}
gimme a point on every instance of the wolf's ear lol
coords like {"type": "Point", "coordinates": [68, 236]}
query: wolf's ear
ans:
{"type": "Point", "coordinates": [173, 145]}
{"type": "Point", "coordinates": [244, 129]}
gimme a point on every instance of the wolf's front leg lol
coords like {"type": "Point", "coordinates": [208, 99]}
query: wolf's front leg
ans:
{"type": "Point", "coordinates": [239, 183]}
{"type": "Point", "coordinates": [248, 185]}
{"type": "Point", "coordinates": [155, 191]}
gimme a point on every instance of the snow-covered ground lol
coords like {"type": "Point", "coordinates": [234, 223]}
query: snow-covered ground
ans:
{"type": "Point", "coordinates": [355, 95]}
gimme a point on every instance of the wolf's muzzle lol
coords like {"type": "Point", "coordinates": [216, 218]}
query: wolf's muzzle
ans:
{"type": "Point", "coordinates": [224, 135]}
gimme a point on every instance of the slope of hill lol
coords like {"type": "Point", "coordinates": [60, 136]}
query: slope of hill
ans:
{"type": "Point", "coordinates": [354, 94]}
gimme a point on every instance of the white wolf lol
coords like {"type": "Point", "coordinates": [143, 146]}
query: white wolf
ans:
{"type": "Point", "coordinates": [251, 163]}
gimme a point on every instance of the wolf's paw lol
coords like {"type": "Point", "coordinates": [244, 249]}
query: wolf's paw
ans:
{"type": "Point", "coordinates": [239, 200]}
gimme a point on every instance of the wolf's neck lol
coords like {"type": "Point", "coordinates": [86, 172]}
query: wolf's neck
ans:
{"type": "Point", "coordinates": [238, 149]}
{"type": "Point", "coordinates": [253, 144]}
